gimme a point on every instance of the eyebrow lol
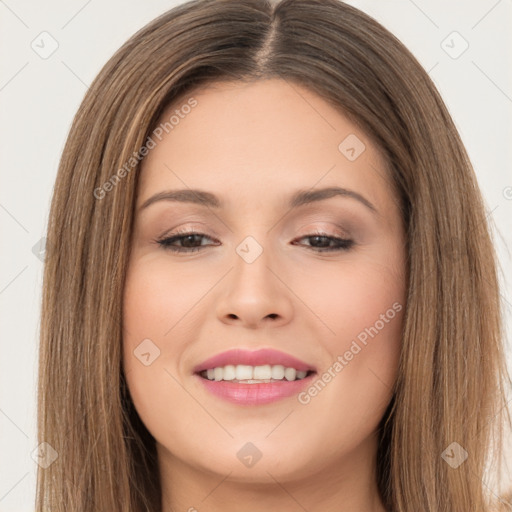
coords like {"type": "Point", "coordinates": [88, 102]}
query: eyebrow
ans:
{"type": "Point", "coordinates": [299, 198]}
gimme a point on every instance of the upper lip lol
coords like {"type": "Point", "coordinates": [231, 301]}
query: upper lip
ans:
{"type": "Point", "coordinates": [254, 358]}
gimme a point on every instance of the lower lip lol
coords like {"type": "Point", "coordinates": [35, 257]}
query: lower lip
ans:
{"type": "Point", "coordinates": [255, 394]}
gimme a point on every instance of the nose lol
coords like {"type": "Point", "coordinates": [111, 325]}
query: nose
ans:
{"type": "Point", "coordinates": [255, 295]}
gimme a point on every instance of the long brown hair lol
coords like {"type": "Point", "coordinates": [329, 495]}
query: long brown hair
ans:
{"type": "Point", "coordinates": [452, 374]}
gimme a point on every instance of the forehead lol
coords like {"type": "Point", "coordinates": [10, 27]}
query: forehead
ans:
{"type": "Point", "coordinates": [248, 140]}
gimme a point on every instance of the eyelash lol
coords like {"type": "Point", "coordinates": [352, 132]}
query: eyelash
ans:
{"type": "Point", "coordinates": [343, 243]}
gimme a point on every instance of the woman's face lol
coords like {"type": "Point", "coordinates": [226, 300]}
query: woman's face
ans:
{"type": "Point", "coordinates": [258, 276]}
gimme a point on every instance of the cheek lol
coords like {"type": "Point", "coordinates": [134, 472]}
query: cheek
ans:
{"type": "Point", "coordinates": [364, 310]}
{"type": "Point", "coordinates": [152, 309]}
{"type": "Point", "coordinates": [162, 305]}
{"type": "Point", "coordinates": [367, 307]}
{"type": "Point", "coordinates": [361, 299]}
{"type": "Point", "coordinates": [159, 299]}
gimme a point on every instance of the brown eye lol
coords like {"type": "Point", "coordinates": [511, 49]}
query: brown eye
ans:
{"type": "Point", "coordinates": [188, 241]}
{"type": "Point", "coordinates": [321, 242]}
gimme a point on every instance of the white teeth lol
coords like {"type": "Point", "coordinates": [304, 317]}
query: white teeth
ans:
{"type": "Point", "coordinates": [253, 374]}
{"type": "Point", "coordinates": [229, 372]}
{"type": "Point", "coordinates": [243, 372]}
{"type": "Point", "coordinates": [262, 372]}
{"type": "Point", "coordinates": [278, 372]}
{"type": "Point", "coordinates": [290, 373]}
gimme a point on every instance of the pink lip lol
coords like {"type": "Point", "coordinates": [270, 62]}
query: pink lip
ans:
{"type": "Point", "coordinates": [254, 358]}
{"type": "Point", "coordinates": [255, 394]}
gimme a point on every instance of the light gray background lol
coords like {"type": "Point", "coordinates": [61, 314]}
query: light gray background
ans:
{"type": "Point", "coordinates": [40, 96]}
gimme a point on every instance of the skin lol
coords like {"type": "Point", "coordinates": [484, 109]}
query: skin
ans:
{"type": "Point", "coordinates": [252, 145]}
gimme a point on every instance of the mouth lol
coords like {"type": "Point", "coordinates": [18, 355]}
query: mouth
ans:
{"type": "Point", "coordinates": [247, 374]}
{"type": "Point", "coordinates": [245, 385]}
{"type": "Point", "coordinates": [246, 377]}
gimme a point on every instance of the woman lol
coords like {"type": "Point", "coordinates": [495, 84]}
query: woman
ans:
{"type": "Point", "coordinates": [335, 344]}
